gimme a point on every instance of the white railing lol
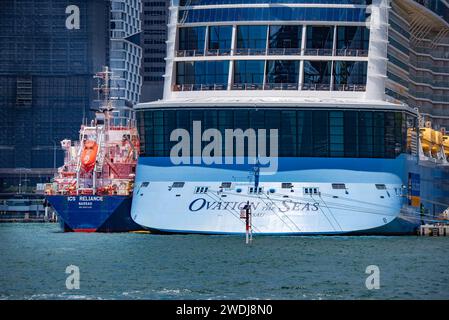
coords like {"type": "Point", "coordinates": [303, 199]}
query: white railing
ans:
{"type": "Point", "coordinates": [200, 87]}
{"type": "Point", "coordinates": [272, 52]}
{"type": "Point", "coordinates": [270, 86]}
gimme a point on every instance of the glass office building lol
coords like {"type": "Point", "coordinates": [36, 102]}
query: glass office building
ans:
{"type": "Point", "coordinates": [46, 70]}
{"type": "Point", "coordinates": [154, 36]}
{"type": "Point", "coordinates": [46, 81]}
{"type": "Point", "coordinates": [126, 52]}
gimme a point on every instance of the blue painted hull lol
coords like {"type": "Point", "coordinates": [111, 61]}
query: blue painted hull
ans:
{"type": "Point", "coordinates": [94, 213]}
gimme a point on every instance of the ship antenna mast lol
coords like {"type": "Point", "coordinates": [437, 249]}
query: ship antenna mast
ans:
{"type": "Point", "coordinates": [104, 88]}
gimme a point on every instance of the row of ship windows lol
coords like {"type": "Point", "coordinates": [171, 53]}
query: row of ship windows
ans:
{"type": "Point", "coordinates": [304, 133]}
{"type": "Point", "coordinates": [223, 2]}
{"type": "Point", "coordinates": [273, 39]}
{"type": "Point", "coordinates": [275, 13]}
{"type": "Point", "coordinates": [271, 75]}
{"type": "Point", "coordinates": [285, 185]}
{"type": "Point", "coordinates": [260, 190]}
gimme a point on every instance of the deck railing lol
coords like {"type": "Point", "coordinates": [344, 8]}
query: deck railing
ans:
{"type": "Point", "coordinates": [269, 86]}
{"type": "Point", "coordinates": [272, 52]}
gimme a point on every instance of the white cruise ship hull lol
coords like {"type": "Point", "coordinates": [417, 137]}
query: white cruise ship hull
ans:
{"type": "Point", "coordinates": [326, 196]}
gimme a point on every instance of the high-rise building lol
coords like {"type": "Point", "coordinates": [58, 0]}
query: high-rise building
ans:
{"type": "Point", "coordinates": [126, 53]}
{"type": "Point", "coordinates": [46, 70]}
{"type": "Point", "coordinates": [47, 64]}
{"type": "Point", "coordinates": [155, 19]}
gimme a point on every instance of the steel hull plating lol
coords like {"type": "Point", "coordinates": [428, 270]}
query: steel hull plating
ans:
{"type": "Point", "coordinates": [360, 207]}
{"type": "Point", "coordinates": [94, 213]}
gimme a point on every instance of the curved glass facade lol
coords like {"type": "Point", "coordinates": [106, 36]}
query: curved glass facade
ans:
{"type": "Point", "coordinates": [218, 2]}
{"type": "Point", "coordinates": [273, 14]}
{"type": "Point", "coordinates": [302, 133]}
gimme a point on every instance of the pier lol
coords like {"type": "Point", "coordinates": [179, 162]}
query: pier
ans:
{"type": "Point", "coordinates": [25, 208]}
{"type": "Point", "coordinates": [434, 230]}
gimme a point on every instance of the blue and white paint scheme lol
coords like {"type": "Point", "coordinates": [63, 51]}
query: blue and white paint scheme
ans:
{"type": "Point", "coordinates": [350, 155]}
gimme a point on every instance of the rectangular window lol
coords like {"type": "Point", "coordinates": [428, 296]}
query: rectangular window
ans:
{"type": "Point", "coordinates": [352, 41]}
{"type": "Point", "coordinates": [350, 75]}
{"type": "Point", "coordinates": [282, 73]}
{"type": "Point", "coordinates": [285, 40]}
{"type": "Point", "coordinates": [192, 38]}
{"type": "Point", "coordinates": [251, 39]}
{"type": "Point", "coordinates": [317, 75]}
{"type": "Point", "coordinates": [320, 40]}
{"type": "Point", "coordinates": [202, 75]}
{"type": "Point", "coordinates": [249, 73]}
{"type": "Point", "coordinates": [178, 185]}
{"type": "Point", "coordinates": [220, 38]}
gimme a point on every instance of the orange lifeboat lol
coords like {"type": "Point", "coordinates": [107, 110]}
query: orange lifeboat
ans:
{"type": "Point", "coordinates": [89, 155]}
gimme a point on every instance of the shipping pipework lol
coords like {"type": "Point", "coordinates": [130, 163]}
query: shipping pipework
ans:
{"type": "Point", "coordinates": [92, 191]}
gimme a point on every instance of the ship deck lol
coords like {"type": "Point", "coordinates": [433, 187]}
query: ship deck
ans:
{"type": "Point", "coordinates": [281, 102]}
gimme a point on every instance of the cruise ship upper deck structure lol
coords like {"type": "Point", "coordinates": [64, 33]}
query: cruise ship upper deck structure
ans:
{"type": "Point", "coordinates": [355, 93]}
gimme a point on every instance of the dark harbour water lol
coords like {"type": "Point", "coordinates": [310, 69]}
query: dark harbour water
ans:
{"type": "Point", "coordinates": [34, 257]}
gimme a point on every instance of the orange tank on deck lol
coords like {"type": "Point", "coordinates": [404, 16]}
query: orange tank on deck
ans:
{"type": "Point", "coordinates": [89, 155]}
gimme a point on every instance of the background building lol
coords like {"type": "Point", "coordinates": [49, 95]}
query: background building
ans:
{"type": "Point", "coordinates": [155, 19]}
{"type": "Point", "coordinates": [126, 53]}
{"type": "Point", "coordinates": [46, 83]}
{"type": "Point", "coordinates": [46, 73]}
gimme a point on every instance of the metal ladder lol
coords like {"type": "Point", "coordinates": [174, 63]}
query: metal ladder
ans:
{"type": "Point", "coordinates": [101, 155]}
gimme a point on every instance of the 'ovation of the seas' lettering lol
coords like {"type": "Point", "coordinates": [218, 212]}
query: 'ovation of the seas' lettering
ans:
{"type": "Point", "coordinates": [285, 206]}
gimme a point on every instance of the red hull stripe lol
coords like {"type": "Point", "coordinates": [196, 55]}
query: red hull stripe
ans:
{"type": "Point", "coordinates": [84, 230]}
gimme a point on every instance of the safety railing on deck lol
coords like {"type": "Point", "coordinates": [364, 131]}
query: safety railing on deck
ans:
{"type": "Point", "coordinates": [272, 52]}
{"type": "Point", "coordinates": [269, 86]}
